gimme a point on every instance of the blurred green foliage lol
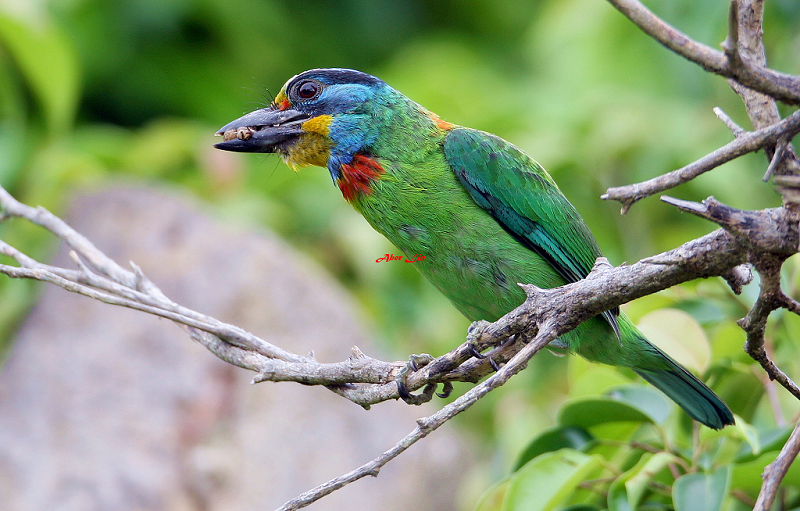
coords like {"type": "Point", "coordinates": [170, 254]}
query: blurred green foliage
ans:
{"type": "Point", "coordinates": [92, 90]}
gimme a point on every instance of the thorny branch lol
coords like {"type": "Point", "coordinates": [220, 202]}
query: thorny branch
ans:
{"type": "Point", "coordinates": [743, 62]}
{"type": "Point", "coordinates": [761, 238]}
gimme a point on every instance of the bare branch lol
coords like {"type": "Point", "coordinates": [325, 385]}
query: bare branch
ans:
{"type": "Point", "coordinates": [782, 145]}
{"type": "Point", "coordinates": [780, 86]}
{"type": "Point", "coordinates": [770, 298]}
{"type": "Point", "coordinates": [775, 471]}
{"type": "Point", "coordinates": [745, 38]}
{"type": "Point", "coordinates": [744, 143]}
{"type": "Point", "coordinates": [735, 128]}
{"type": "Point", "coordinates": [429, 424]}
{"type": "Point", "coordinates": [769, 230]}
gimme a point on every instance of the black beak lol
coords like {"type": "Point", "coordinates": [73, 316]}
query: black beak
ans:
{"type": "Point", "coordinates": [263, 131]}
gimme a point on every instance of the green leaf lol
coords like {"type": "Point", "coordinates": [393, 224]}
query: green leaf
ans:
{"type": "Point", "coordinates": [701, 491]}
{"type": "Point", "coordinates": [548, 480]}
{"type": "Point", "coordinates": [552, 440]}
{"type": "Point", "coordinates": [750, 435]}
{"type": "Point", "coordinates": [627, 490]}
{"type": "Point", "coordinates": [588, 412]}
{"type": "Point", "coordinates": [677, 333]}
{"type": "Point", "coordinates": [771, 440]}
{"type": "Point", "coordinates": [590, 379]}
{"type": "Point", "coordinates": [637, 484]}
{"type": "Point", "coordinates": [741, 389]}
{"type": "Point", "coordinates": [747, 476]}
{"type": "Point", "coordinates": [492, 499]}
{"type": "Point", "coordinates": [646, 399]}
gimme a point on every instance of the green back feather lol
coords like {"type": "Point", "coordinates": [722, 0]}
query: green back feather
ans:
{"type": "Point", "coordinates": [526, 202]}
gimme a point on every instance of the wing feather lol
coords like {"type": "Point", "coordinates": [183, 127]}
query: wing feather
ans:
{"type": "Point", "coordinates": [525, 201]}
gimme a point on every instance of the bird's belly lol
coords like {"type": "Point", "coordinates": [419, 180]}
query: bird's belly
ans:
{"type": "Point", "coordinates": [468, 257]}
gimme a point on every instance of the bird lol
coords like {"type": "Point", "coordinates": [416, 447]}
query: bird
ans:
{"type": "Point", "coordinates": [482, 213]}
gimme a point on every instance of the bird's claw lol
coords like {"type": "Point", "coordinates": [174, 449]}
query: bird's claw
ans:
{"type": "Point", "coordinates": [447, 389]}
{"type": "Point", "coordinates": [473, 350]}
{"type": "Point", "coordinates": [480, 356]}
{"type": "Point", "coordinates": [473, 335]}
{"type": "Point", "coordinates": [415, 362]}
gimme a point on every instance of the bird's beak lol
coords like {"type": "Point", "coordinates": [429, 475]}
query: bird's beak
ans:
{"type": "Point", "coordinates": [263, 131]}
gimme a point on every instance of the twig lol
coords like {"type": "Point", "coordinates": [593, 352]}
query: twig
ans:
{"type": "Point", "coordinates": [754, 324]}
{"type": "Point", "coordinates": [765, 230]}
{"type": "Point", "coordinates": [767, 257]}
{"type": "Point", "coordinates": [776, 158]}
{"type": "Point", "coordinates": [775, 471]}
{"type": "Point", "coordinates": [780, 86]}
{"type": "Point", "coordinates": [735, 128]}
{"type": "Point", "coordinates": [731, 43]}
{"type": "Point", "coordinates": [429, 424]}
{"type": "Point", "coordinates": [744, 143]}
{"type": "Point", "coordinates": [745, 38]}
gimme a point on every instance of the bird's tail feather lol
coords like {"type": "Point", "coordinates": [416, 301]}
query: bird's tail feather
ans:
{"type": "Point", "coordinates": [691, 394]}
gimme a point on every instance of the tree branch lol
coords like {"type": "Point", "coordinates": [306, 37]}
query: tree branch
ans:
{"type": "Point", "coordinates": [429, 424]}
{"type": "Point", "coordinates": [744, 63]}
{"type": "Point", "coordinates": [775, 471]}
{"type": "Point", "coordinates": [780, 86]}
{"type": "Point", "coordinates": [745, 37]}
{"type": "Point", "coordinates": [770, 298]}
{"type": "Point", "coordinates": [744, 143]}
{"type": "Point", "coordinates": [362, 379]}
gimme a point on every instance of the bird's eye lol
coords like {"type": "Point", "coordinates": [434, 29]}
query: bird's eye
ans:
{"type": "Point", "coordinates": [308, 89]}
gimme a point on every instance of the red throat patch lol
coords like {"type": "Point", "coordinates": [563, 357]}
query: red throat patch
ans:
{"type": "Point", "coordinates": [357, 176]}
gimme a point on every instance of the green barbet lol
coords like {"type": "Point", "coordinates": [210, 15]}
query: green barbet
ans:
{"type": "Point", "coordinates": [484, 215]}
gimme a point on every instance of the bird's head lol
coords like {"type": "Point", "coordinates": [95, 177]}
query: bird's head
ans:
{"type": "Point", "coordinates": [329, 117]}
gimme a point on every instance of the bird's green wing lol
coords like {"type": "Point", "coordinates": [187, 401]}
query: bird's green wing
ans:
{"type": "Point", "coordinates": [525, 201]}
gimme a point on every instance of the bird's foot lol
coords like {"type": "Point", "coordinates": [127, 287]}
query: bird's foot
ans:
{"type": "Point", "coordinates": [415, 362]}
{"type": "Point", "coordinates": [474, 334]}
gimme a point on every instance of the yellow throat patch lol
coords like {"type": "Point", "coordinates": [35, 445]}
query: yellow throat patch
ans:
{"type": "Point", "coordinates": [313, 147]}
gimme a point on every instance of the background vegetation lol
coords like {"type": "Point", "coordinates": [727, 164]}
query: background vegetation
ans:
{"type": "Point", "coordinates": [93, 91]}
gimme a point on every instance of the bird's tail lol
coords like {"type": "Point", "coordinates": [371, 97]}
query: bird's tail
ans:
{"type": "Point", "coordinates": [594, 340]}
{"type": "Point", "coordinates": [691, 394]}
